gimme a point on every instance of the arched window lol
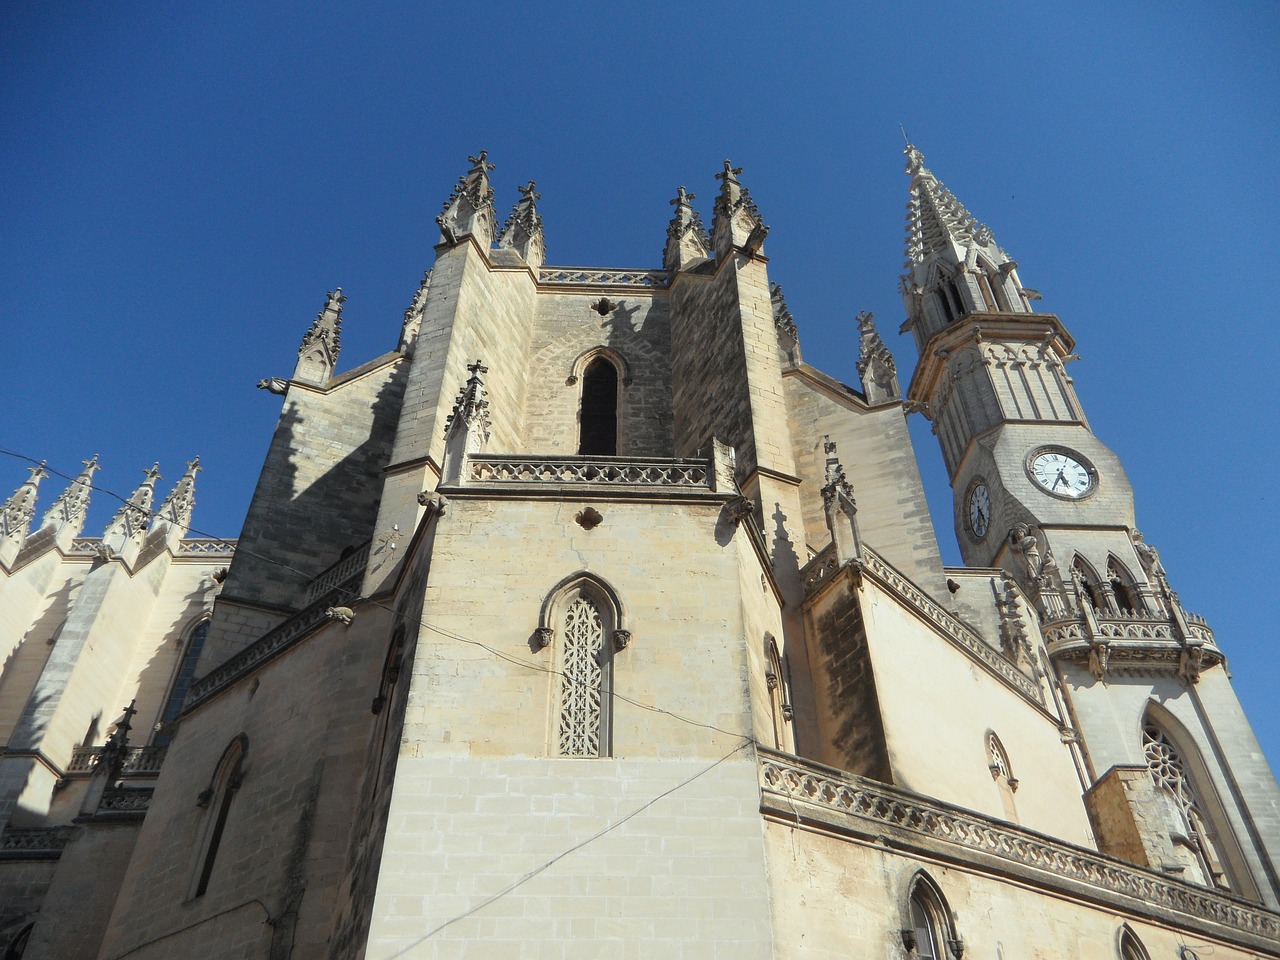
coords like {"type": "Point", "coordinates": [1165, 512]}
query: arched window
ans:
{"type": "Point", "coordinates": [598, 417]}
{"type": "Point", "coordinates": [216, 799]}
{"type": "Point", "coordinates": [1087, 582]}
{"type": "Point", "coordinates": [18, 945]}
{"type": "Point", "coordinates": [1131, 947]}
{"type": "Point", "coordinates": [930, 933]}
{"type": "Point", "coordinates": [182, 677]}
{"type": "Point", "coordinates": [1169, 771]}
{"type": "Point", "coordinates": [1001, 773]}
{"type": "Point", "coordinates": [1122, 587]}
{"type": "Point", "coordinates": [584, 615]}
{"type": "Point", "coordinates": [775, 676]}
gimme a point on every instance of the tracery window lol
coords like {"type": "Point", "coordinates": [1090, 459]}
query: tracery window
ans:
{"type": "Point", "coordinates": [930, 934]}
{"type": "Point", "coordinates": [1169, 772]}
{"type": "Point", "coordinates": [181, 684]}
{"type": "Point", "coordinates": [1001, 773]}
{"type": "Point", "coordinates": [1131, 947]}
{"type": "Point", "coordinates": [585, 664]}
{"type": "Point", "coordinates": [1087, 581]}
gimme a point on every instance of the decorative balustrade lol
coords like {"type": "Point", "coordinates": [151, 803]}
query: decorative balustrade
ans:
{"type": "Point", "coordinates": [276, 640]}
{"type": "Point", "coordinates": [1141, 628]}
{"type": "Point", "coordinates": [593, 471]}
{"type": "Point", "coordinates": [138, 761]}
{"type": "Point", "coordinates": [44, 844]}
{"type": "Point", "coordinates": [206, 547]}
{"type": "Point", "coordinates": [124, 801]}
{"type": "Point", "coordinates": [348, 568]}
{"type": "Point", "coordinates": [796, 790]}
{"type": "Point", "coordinates": [85, 545]}
{"type": "Point", "coordinates": [585, 276]}
{"type": "Point", "coordinates": [820, 569]}
{"type": "Point", "coordinates": [951, 627]}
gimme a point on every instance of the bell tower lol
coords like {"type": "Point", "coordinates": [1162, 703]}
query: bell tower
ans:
{"type": "Point", "coordinates": [1036, 493]}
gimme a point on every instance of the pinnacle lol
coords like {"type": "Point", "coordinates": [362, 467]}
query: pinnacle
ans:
{"type": "Point", "coordinates": [935, 218]}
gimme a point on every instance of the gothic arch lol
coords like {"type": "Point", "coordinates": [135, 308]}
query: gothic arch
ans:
{"type": "Point", "coordinates": [1090, 583]}
{"type": "Point", "coordinates": [928, 926]}
{"type": "Point", "coordinates": [1002, 773]}
{"type": "Point", "coordinates": [1178, 768]}
{"type": "Point", "coordinates": [584, 618]}
{"type": "Point", "coordinates": [191, 645]}
{"type": "Point", "coordinates": [584, 359]}
{"type": "Point", "coordinates": [1123, 587]}
{"type": "Point", "coordinates": [778, 680]}
{"type": "Point", "coordinates": [216, 801]}
{"type": "Point", "coordinates": [1129, 946]}
{"type": "Point", "coordinates": [991, 284]}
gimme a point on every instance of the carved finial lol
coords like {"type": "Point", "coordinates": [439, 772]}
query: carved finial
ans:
{"type": "Point", "coordinates": [876, 366]}
{"type": "Point", "coordinates": [469, 209]}
{"type": "Point", "coordinates": [318, 352]}
{"type": "Point", "coordinates": [472, 406]}
{"type": "Point", "coordinates": [687, 241]}
{"type": "Point", "coordinates": [70, 508]}
{"type": "Point", "coordinates": [736, 222]}
{"type": "Point", "coordinates": [837, 484]}
{"type": "Point", "coordinates": [131, 519]}
{"type": "Point", "coordinates": [177, 507]}
{"type": "Point", "coordinates": [915, 159]}
{"type": "Point", "coordinates": [523, 229]}
{"type": "Point", "coordinates": [18, 510]}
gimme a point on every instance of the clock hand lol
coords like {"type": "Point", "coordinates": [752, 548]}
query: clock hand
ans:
{"type": "Point", "coordinates": [1060, 478]}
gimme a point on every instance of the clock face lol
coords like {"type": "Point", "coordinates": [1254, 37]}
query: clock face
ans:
{"type": "Point", "coordinates": [1061, 474]}
{"type": "Point", "coordinates": [980, 510]}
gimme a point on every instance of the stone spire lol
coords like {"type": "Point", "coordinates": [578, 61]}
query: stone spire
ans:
{"type": "Point", "coordinates": [469, 209]}
{"type": "Point", "coordinates": [16, 515]}
{"type": "Point", "coordinates": [953, 265]}
{"type": "Point", "coordinates": [875, 363]}
{"type": "Point", "coordinates": [174, 515]}
{"type": "Point", "coordinates": [523, 230]}
{"type": "Point", "coordinates": [687, 240]}
{"type": "Point", "coordinates": [467, 428]}
{"type": "Point", "coordinates": [736, 222]}
{"type": "Point", "coordinates": [785, 323]}
{"type": "Point", "coordinates": [413, 317]}
{"type": "Point", "coordinates": [68, 511]}
{"type": "Point", "coordinates": [130, 522]}
{"type": "Point", "coordinates": [840, 507]}
{"type": "Point", "coordinates": [318, 354]}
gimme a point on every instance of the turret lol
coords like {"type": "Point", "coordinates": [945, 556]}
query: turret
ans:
{"type": "Point", "coordinates": [318, 354]}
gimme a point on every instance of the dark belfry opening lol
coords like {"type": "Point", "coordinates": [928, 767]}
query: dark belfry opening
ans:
{"type": "Point", "coordinates": [599, 416]}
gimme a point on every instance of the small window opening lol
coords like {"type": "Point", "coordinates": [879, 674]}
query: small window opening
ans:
{"type": "Point", "coordinates": [599, 416]}
{"type": "Point", "coordinates": [1126, 599]}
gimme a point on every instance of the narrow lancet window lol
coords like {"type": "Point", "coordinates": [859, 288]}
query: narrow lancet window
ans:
{"type": "Point", "coordinates": [181, 684]}
{"type": "Point", "coordinates": [599, 414]}
{"type": "Point", "coordinates": [583, 720]}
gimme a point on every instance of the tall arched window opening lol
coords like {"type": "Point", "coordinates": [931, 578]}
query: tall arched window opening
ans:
{"type": "Point", "coordinates": [1122, 588]}
{"type": "Point", "coordinates": [216, 799]}
{"type": "Point", "coordinates": [584, 683]}
{"type": "Point", "coordinates": [1169, 771]}
{"type": "Point", "coordinates": [181, 684]}
{"type": "Point", "coordinates": [776, 679]}
{"type": "Point", "coordinates": [1001, 773]}
{"type": "Point", "coordinates": [1087, 582]}
{"type": "Point", "coordinates": [598, 418]}
{"type": "Point", "coordinates": [930, 933]}
{"type": "Point", "coordinates": [1131, 947]}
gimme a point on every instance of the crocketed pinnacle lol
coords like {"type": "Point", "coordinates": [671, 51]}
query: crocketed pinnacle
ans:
{"type": "Point", "coordinates": [16, 514]}
{"type": "Point", "coordinates": [472, 405]}
{"type": "Point", "coordinates": [326, 328]}
{"type": "Point", "coordinates": [687, 240]}
{"type": "Point", "coordinates": [935, 217]}
{"type": "Point", "coordinates": [872, 353]}
{"type": "Point", "coordinates": [524, 216]}
{"type": "Point", "coordinates": [71, 506]}
{"type": "Point", "coordinates": [132, 518]}
{"type": "Point", "coordinates": [177, 507]}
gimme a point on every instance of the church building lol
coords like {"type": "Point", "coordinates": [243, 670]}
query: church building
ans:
{"type": "Point", "coordinates": [591, 621]}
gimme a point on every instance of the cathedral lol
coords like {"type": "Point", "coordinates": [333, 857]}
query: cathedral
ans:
{"type": "Point", "coordinates": [592, 621]}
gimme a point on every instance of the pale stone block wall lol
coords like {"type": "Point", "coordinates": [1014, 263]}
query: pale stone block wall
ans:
{"type": "Point", "coordinates": [33, 643]}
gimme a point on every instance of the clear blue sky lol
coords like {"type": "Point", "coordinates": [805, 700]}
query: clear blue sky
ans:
{"type": "Point", "coordinates": [182, 184]}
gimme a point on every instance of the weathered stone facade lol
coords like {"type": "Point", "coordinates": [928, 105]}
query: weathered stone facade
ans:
{"type": "Point", "coordinates": [592, 621]}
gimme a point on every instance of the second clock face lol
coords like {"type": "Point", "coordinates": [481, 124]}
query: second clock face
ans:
{"type": "Point", "coordinates": [1061, 474]}
{"type": "Point", "coordinates": [980, 510]}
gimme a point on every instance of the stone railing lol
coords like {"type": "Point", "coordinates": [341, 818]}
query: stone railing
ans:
{"type": "Point", "coordinates": [950, 626]}
{"type": "Point", "coordinates": [820, 569]}
{"type": "Point", "coordinates": [1142, 629]}
{"type": "Point", "coordinates": [138, 762]}
{"type": "Point", "coordinates": [276, 640]}
{"type": "Point", "coordinates": [85, 544]}
{"type": "Point", "coordinates": [797, 791]}
{"type": "Point", "coordinates": [127, 801]}
{"type": "Point", "coordinates": [348, 568]}
{"type": "Point", "coordinates": [34, 844]}
{"type": "Point", "coordinates": [590, 471]}
{"type": "Point", "coordinates": [586, 276]}
{"type": "Point", "coordinates": [206, 547]}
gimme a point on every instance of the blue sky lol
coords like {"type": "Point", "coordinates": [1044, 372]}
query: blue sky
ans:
{"type": "Point", "coordinates": [183, 185]}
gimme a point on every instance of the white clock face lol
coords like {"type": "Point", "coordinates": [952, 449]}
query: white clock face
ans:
{"type": "Point", "coordinates": [980, 510]}
{"type": "Point", "coordinates": [1061, 474]}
